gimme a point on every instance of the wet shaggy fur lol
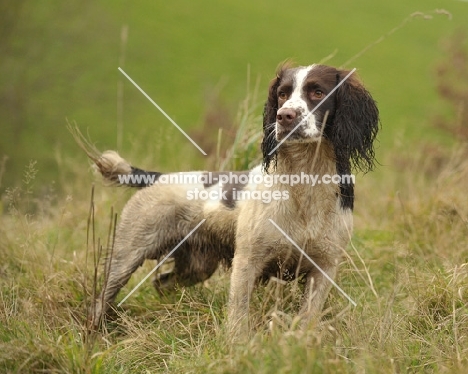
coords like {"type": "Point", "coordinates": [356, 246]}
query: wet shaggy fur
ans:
{"type": "Point", "coordinates": [338, 134]}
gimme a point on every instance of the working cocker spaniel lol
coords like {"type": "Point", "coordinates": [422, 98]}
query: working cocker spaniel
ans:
{"type": "Point", "coordinates": [290, 216]}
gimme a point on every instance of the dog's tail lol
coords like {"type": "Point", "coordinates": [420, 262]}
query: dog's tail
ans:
{"type": "Point", "coordinates": [114, 169]}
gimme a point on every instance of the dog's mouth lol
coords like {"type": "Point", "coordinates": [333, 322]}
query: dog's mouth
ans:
{"type": "Point", "coordinates": [301, 134]}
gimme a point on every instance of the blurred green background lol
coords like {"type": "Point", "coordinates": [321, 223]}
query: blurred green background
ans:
{"type": "Point", "coordinates": [59, 60]}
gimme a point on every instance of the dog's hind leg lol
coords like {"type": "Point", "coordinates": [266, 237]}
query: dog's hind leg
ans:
{"type": "Point", "coordinates": [120, 268]}
{"type": "Point", "coordinates": [136, 239]}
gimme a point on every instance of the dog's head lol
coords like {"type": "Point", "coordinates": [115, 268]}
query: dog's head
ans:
{"type": "Point", "coordinates": [300, 108]}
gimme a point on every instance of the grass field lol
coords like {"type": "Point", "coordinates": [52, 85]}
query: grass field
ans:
{"type": "Point", "coordinates": [60, 62]}
{"type": "Point", "coordinates": [407, 267]}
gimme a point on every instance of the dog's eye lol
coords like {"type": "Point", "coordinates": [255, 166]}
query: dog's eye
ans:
{"type": "Point", "coordinates": [282, 95]}
{"type": "Point", "coordinates": [318, 94]}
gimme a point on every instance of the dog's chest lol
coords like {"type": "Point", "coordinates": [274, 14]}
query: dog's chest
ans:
{"type": "Point", "coordinates": [306, 207]}
{"type": "Point", "coordinates": [302, 220]}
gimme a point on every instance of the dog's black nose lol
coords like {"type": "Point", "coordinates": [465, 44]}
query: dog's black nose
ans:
{"type": "Point", "coordinates": [286, 117]}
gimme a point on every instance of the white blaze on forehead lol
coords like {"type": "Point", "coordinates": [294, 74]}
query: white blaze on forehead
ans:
{"type": "Point", "coordinates": [299, 79]}
{"type": "Point", "coordinates": [307, 124]}
{"type": "Point", "coordinates": [297, 102]}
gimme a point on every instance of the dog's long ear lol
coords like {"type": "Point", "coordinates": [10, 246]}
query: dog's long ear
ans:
{"type": "Point", "coordinates": [355, 125]}
{"type": "Point", "coordinates": [269, 141]}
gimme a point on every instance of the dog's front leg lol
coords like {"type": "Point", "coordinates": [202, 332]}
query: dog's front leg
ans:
{"type": "Point", "coordinates": [316, 290]}
{"type": "Point", "coordinates": [242, 283]}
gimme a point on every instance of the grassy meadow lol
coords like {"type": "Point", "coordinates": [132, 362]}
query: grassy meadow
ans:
{"type": "Point", "coordinates": [208, 64]}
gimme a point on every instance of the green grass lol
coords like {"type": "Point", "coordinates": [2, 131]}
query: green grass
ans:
{"type": "Point", "coordinates": [61, 62]}
{"type": "Point", "coordinates": [407, 269]}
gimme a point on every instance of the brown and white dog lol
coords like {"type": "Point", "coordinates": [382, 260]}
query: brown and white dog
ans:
{"type": "Point", "coordinates": [316, 127]}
